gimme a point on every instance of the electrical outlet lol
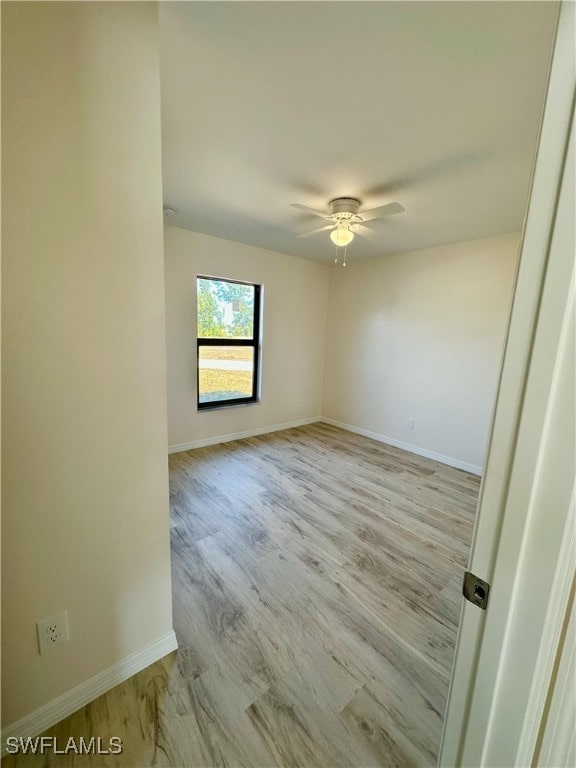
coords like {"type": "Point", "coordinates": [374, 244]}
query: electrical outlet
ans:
{"type": "Point", "coordinates": [52, 631]}
{"type": "Point", "coordinates": [409, 423]}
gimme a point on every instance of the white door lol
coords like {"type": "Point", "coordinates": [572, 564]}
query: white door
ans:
{"type": "Point", "coordinates": [523, 544]}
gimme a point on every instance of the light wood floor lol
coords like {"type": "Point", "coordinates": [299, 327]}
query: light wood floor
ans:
{"type": "Point", "coordinates": [316, 599]}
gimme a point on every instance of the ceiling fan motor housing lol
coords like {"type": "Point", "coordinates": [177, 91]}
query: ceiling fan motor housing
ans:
{"type": "Point", "coordinates": [344, 207]}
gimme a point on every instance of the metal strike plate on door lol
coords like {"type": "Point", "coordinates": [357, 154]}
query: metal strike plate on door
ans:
{"type": "Point", "coordinates": [475, 590]}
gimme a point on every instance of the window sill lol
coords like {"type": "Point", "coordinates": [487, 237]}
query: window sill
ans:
{"type": "Point", "coordinates": [218, 407]}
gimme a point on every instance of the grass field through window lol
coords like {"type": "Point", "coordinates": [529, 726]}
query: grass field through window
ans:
{"type": "Point", "coordinates": [220, 382]}
{"type": "Point", "coordinates": [225, 353]}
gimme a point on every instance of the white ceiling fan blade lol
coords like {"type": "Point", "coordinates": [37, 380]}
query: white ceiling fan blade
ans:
{"type": "Point", "coordinates": [322, 214]}
{"type": "Point", "coordinates": [360, 229]}
{"type": "Point", "coordinates": [314, 231]}
{"type": "Point", "coordinates": [381, 211]}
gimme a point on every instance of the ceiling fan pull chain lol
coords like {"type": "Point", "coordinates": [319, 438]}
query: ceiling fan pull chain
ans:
{"type": "Point", "coordinates": [345, 249]}
{"type": "Point", "coordinates": [336, 257]}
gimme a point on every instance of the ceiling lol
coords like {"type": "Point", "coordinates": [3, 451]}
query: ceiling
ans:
{"type": "Point", "coordinates": [433, 104]}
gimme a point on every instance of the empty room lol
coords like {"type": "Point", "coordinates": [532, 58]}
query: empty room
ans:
{"type": "Point", "coordinates": [286, 295]}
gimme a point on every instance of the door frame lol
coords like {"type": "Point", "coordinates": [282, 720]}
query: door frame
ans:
{"type": "Point", "coordinates": [486, 724]}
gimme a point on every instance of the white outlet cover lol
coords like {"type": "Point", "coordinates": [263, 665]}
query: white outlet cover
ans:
{"type": "Point", "coordinates": [52, 631]}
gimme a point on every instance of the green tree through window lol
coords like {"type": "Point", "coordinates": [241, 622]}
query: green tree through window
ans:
{"type": "Point", "coordinates": [210, 320]}
{"type": "Point", "coordinates": [241, 298]}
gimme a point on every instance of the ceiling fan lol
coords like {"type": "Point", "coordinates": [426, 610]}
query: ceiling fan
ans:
{"type": "Point", "coordinates": [346, 219]}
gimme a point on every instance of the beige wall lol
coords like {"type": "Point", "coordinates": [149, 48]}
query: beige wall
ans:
{"type": "Point", "coordinates": [84, 437]}
{"type": "Point", "coordinates": [419, 336]}
{"type": "Point", "coordinates": [294, 322]}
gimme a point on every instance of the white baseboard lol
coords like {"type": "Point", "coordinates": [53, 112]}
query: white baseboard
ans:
{"type": "Point", "coordinates": [51, 713]}
{"type": "Point", "coordinates": [239, 435]}
{"type": "Point", "coordinates": [472, 468]}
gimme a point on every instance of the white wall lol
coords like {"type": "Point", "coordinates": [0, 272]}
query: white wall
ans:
{"type": "Point", "coordinates": [85, 523]}
{"type": "Point", "coordinates": [419, 335]}
{"type": "Point", "coordinates": [293, 327]}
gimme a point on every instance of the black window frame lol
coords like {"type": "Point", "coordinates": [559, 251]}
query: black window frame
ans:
{"type": "Point", "coordinates": [219, 341]}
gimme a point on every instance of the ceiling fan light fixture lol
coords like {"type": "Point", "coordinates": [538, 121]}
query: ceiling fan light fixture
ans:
{"type": "Point", "coordinates": [342, 236]}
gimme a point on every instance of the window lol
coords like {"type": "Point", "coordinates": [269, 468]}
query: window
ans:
{"type": "Point", "coordinates": [228, 318]}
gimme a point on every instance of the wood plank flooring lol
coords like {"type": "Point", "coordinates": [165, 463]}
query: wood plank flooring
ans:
{"type": "Point", "coordinates": [316, 599]}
